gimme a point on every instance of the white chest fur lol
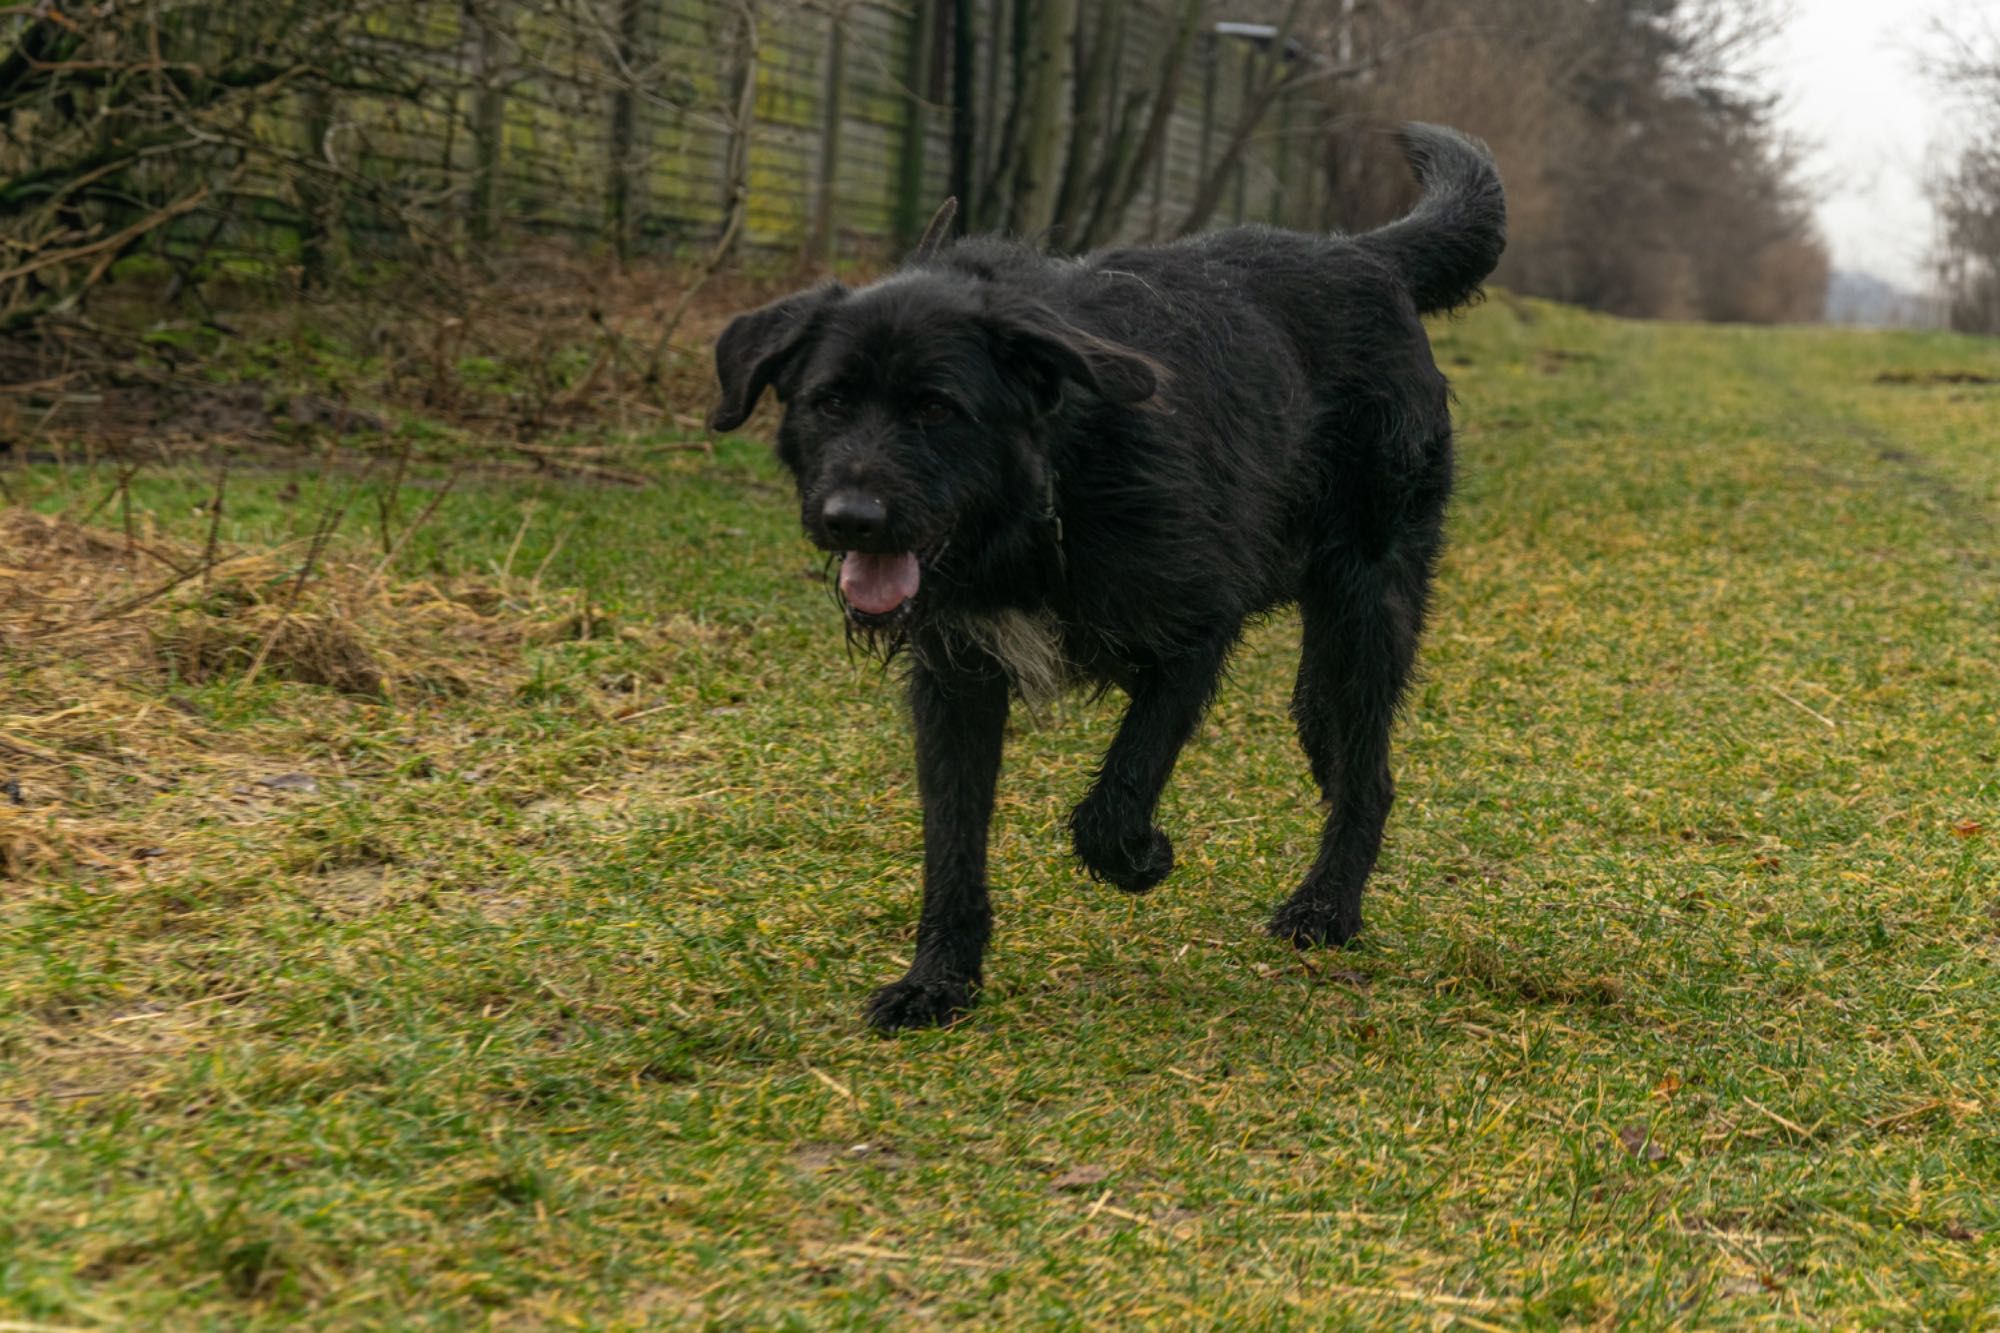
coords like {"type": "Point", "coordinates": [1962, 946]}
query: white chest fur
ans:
{"type": "Point", "coordinates": [1027, 645]}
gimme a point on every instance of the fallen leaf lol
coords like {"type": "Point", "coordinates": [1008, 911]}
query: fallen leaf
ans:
{"type": "Point", "coordinates": [1667, 1086]}
{"type": "Point", "coordinates": [1638, 1140]}
{"type": "Point", "coordinates": [1768, 864]}
{"type": "Point", "coordinates": [1077, 1177]}
{"type": "Point", "coordinates": [1968, 828]}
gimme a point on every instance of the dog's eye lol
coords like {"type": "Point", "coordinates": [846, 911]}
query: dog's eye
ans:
{"type": "Point", "coordinates": [935, 412]}
{"type": "Point", "coordinates": [830, 405]}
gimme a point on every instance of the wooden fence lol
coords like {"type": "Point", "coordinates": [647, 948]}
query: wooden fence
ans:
{"type": "Point", "coordinates": [616, 121]}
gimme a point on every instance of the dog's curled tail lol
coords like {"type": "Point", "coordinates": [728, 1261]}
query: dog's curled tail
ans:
{"type": "Point", "coordinates": [1449, 243]}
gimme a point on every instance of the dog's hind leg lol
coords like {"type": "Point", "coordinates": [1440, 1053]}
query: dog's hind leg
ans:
{"type": "Point", "coordinates": [960, 718]}
{"type": "Point", "coordinates": [1362, 619]}
{"type": "Point", "coordinates": [1112, 828]}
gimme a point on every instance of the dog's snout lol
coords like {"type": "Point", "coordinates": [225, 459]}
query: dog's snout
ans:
{"type": "Point", "coordinates": [854, 520]}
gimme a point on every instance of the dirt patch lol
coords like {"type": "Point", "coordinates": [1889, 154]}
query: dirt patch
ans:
{"type": "Point", "coordinates": [623, 802]}
{"type": "Point", "coordinates": [1936, 377]}
{"type": "Point", "coordinates": [498, 905]}
{"type": "Point", "coordinates": [833, 1155]}
{"type": "Point", "coordinates": [1553, 360]}
{"type": "Point", "coordinates": [255, 410]}
{"type": "Point", "coordinates": [349, 892]}
{"type": "Point", "coordinates": [100, 1051]}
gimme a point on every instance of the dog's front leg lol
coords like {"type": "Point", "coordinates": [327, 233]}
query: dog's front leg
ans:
{"type": "Point", "coordinates": [960, 717]}
{"type": "Point", "coordinates": [1112, 828]}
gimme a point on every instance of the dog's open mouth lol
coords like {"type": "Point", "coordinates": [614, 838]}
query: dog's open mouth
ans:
{"type": "Point", "coordinates": [876, 587]}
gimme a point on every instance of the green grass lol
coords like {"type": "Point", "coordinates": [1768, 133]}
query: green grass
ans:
{"type": "Point", "coordinates": [1674, 1008]}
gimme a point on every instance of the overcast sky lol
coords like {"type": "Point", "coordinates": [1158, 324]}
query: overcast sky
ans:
{"type": "Point", "coordinates": [1849, 72]}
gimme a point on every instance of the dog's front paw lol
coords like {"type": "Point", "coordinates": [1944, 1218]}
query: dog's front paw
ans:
{"type": "Point", "coordinates": [1135, 863]}
{"type": "Point", "coordinates": [1313, 922]}
{"type": "Point", "coordinates": [920, 1002]}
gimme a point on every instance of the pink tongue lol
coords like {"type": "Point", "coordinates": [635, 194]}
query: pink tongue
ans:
{"type": "Point", "coordinates": [878, 584]}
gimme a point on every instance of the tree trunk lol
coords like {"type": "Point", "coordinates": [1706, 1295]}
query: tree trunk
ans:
{"type": "Point", "coordinates": [1117, 164]}
{"type": "Point", "coordinates": [1091, 92]}
{"type": "Point", "coordinates": [742, 124]}
{"type": "Point", "coordinates": [489, 116]}
{"type": "Point", "coordinates": [910, 169]}
{"type": "Point", "coordinates": [825, 242]}
{"type": "Point", "coordinates": [1109, 215]}
{"type": "Point", "coordinates": [319, 206]}
{"type": "Point", "coordinates": [965, 119]}
{"type": "Point", "coordinates": [1259, 93]}
{"type": "Point", "coordinates": [997, 198]}
{"type": "Point", "coordinates": [1223, 174]}
{"type": "Point", "coordinates": [976, 205]}
{"type": "Point", "coordinates": [624, 122]}
{"type": "Point", "coordinates": [1038, 173]}
{"type": "Point", "coordinates": [1282, 154]}
{"type": "Point", "coordinates": [1156, 210]}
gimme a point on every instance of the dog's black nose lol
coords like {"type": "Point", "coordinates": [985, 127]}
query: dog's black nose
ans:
{"type": "Point", "coordinates": [853, 519]}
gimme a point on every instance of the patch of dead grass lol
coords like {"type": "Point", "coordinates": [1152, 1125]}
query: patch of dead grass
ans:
{"type": "Point", "coordinates": [106, 632]}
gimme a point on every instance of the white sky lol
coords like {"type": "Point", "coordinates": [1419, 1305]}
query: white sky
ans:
{"type": "Point", "coordinates": [1849, 72]}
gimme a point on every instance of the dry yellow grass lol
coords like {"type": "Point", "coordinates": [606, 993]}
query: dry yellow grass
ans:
{"type": "Point", "coordinates": [106, 633]}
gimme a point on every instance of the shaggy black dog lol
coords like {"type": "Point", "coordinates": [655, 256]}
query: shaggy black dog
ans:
{"type": "Point", "coordinates": [1041, 471]}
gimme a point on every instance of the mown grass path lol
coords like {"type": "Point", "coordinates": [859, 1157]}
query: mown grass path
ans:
{"type": "Point", "coordinates": [1675, 1007]}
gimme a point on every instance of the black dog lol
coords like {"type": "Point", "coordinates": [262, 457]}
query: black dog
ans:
{"type": "Point", "coordinates": [1041, 471]}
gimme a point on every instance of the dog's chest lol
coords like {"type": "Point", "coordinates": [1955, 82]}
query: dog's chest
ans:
{"type": "Point", "coordinates": [1027, 644]}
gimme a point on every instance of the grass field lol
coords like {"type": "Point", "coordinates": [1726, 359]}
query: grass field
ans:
{"type": "Point", "coordinates": [532, 997]}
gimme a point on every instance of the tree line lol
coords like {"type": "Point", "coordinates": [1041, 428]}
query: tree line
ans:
{"type": "Point", "coordinates": [1645, 169]}
{"type": "Point", "coordinates": [1645, 172]}
{"type": "Point", "coordinates": [1966, 191]}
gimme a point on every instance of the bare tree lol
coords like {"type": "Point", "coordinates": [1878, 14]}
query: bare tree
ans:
{"type": "Point", "coordinates": [125, 122]}
{"type": "Point", "coordinates": [1967, 193]}
{"type": "Point", "coordinates": [1130, 161]}
{"type": "Point", "coordinates": [1100, 37]}
{"type": "Point", "coordinates": [1037, 176]}
{"type": "Point", "coordinates": [1645, 172]}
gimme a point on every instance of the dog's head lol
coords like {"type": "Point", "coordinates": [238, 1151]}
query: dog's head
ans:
{"type": "Point", "coordinates": [911, 409]}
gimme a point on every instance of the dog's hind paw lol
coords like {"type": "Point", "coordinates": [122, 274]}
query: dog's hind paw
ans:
{"type": "Point", "coordinates": [919, 1002]}
{"type": "Point", "coordinates": [1136, 865]}
{"type": "Point", "coordinates": [1313, 923]}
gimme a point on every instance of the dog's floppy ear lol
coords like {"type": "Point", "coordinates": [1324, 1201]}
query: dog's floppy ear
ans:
{"type": "Point", "coordinates": [1049, 350]}
{"type": "Point", "coordinates": [755, 347]}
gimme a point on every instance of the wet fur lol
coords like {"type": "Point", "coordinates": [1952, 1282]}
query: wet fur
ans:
{"type": "Point", "coordinates": [1142, 450]}
{"type": "Point", "coordinates": [1026, 644]}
